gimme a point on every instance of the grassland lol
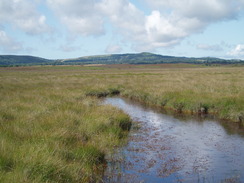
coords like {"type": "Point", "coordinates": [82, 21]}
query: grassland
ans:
{"type": "Point", "coordinates": [51, 130]}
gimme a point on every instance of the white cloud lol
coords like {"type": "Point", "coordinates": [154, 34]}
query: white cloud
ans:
{"type": "Point", "coordinates": [238, 51]}
{"type": "Point", "coordinates": [173, 20]}
{"type": "Point", "coordinates": [22, 14]}
{"type": "Point", "coordinates": [113, 49]}
{"type": "Point", "coordinates": [8, 44]}
{"type": "Point", "coordinates": [169, 22]}
{"type": "Point", "coordinates": [168, 30]}
{"type": "Point", "coordinates": [125, 17]}
{"type": "Point", "coordinates": [166, 23]}
{"type": "Point", "coordinates": [145, 32]}
{"type": "Point", "coordinates": [80, 16]}
{"type": "Point", "coordinates": [207, 10]}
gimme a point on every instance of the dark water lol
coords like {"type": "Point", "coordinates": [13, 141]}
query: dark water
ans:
{"type": "Point", "coordinates": [167, 149]}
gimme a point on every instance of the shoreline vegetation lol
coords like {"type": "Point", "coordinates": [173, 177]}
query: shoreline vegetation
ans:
{"type": "Point", "coordinates": [177, 108]}
{"type": "Point", "coordinates": [53, 128]}
{"type": "Point", "coordinates": [225, 102]}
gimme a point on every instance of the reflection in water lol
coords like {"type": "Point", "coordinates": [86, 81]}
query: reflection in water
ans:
{"type": "Point", "coordinates": [165, 149]}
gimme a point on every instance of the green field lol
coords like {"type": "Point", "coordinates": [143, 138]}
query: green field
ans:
{"type": "Point", "coordinates": [53, 130]}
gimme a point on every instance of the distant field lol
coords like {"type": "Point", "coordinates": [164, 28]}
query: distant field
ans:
{"type": "Point", "coordinates": [50, 128]}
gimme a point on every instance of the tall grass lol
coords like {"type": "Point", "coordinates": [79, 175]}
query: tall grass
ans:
{"type": "Point", "coordinates": [51, 132]}
{"type": "Point", "coordinates": [53, 129]}
{"type": "Point", "coordinates": [216, 90]}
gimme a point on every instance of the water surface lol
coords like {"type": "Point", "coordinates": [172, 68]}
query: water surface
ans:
{"type": "Point", "coordinates": [167, 149]}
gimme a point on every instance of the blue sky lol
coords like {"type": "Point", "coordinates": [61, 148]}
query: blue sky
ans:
{"type": "Point", "coordinates": [74, 28]}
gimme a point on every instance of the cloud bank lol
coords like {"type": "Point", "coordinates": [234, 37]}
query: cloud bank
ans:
{"type": "Point", "coordinates": [20, 15]}
{"type": "Point", "coordinates": [8, 44]}
{"type": "Point", "coordinates": [238, 51]}
{"type": "Point", "coordinates": [167, 24]}
{"type": "Point", "coordinates": [23, 14]}
{"type": "Point", "coordinates": [156, 24]}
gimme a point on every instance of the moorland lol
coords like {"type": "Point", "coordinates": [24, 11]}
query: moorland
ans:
{"type": "Point", "coordinates": [53, 127]}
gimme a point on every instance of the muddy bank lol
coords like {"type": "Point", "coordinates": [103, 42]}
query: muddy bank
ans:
{"type": "Point", "coordinates": [169, 149]}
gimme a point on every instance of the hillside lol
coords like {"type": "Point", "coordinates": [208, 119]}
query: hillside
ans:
{"type": "Point", "coordinates": [11, 60]}
{"type": "Point", "coordinates": [137, 58]}
{"type": "Point", "coordinates": [146, 58]}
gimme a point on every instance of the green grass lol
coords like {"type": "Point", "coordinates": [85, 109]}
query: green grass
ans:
{"type": "Point", "coordinates": [51, 132]}
{"type": "Point", "coordinates": [53, 129]}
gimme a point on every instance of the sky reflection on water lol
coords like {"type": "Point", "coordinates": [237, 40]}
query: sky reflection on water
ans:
{"type": "Point", "coordinates": [166, 149]}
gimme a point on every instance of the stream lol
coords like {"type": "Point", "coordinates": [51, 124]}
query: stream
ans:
{"type": "Point", "coordinates": [164, 148]}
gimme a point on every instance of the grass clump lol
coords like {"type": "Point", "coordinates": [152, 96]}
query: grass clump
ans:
{"type": "Point", "coordinates": [113, 91]}
{"type": "Point", "coordinates": [103, 93]}
{"type": "Point", "coordinates": [6, 164]}
{"type": "Point", "coordinates": [50, 131]}
{"type": "Point", "coordinates": [124, 123]}
{"type": "Point", "coordinates": [48, 173]}
{"type": "Point", "coordinates": [97, 93]}
{"type": "Point", "coordinates": [93, 155]}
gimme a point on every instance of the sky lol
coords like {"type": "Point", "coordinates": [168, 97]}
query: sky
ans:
{"type": "Point", "coordinates": [59, 29]}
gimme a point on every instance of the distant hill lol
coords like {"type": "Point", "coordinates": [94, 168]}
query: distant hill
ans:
{"type": "Point", "coordinates": [146, 58]}
{"type": "Point", "coordinates": [12, 60]}
{"type": "Point", "coordinates": [137, 58]}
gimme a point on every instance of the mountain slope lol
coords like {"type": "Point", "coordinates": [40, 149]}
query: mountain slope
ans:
{"type": "Point", "coordinates": [136, 58]}
{"type": "Point", "coordinates": [7, 60]}
{"type": "Point", "coordinates": [145, 58]}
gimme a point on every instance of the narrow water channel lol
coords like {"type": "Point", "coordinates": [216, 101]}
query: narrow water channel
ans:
{"type": "Point", "coordinates": [167, 149]}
